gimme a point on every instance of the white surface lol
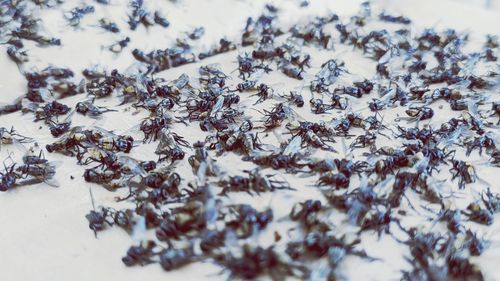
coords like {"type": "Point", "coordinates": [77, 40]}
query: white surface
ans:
{"type": "Point", "coordinates": [44, 234]}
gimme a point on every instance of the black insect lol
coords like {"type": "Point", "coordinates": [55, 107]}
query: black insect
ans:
{"type": "Point", "coordinates": [483, 141]}
{"type": "Point", "coordinates": [197, 33]}
{"type": "Point", "coordinates": [161, 20]}
{"type": "Point", "coordinates": [295, 98]}
{"type": "Point", "coordinates": [118, 46]}
{"type": "Point", "coordinates": [171, 258]}
{"type": "Point", "coordinates": [394, 19]}
{"type": "Point", "coordinates": [246, 85]}
{"type": "Point", "coordinates": [464, 171]}
{"type": "Point", "coordinates": [109, 26]}
{"type": "Point", "coordinates": [254, 182]}
{"type": "Point", "coordinates": [263, 92]}
{"type": "Point", "coordinates": [8, 178]}
{"type": "Point", "coordinates": [477, 214]}
{"type": "Point", "coordinates": [256, 261]}
{"type": "Point", "coordinates": [88, 108]}
{"type": "Point", "coordinates": [74, 16]}
{"type": "Point", "coordinates": [277, 115]}
{"type": "Point", "coordinates": [140, 255]}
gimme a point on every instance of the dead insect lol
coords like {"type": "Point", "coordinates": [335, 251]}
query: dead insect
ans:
{"type": "Point", "coordinates": [263, 92]}
{"type": "Point", "coordinates": [140, 255]}
{"type": "Point", "coordinates": [295, 98]}
{"type": "Point", "coordinates": [247, 66]}
{"type": "Point", "coordinates": [254, 182]}
{"type": "Point", "coordinates": [8, 178]}
{"type": "Point", "coordinates": [75, 15]}
{"type": "Point", "coordinates": [169, 146]}
{"type": "Point", "coordinates": [420, 113]}
{"type": "Point", "coordinates": [161, 20]}
{"type": "Point", "coordinates": [109, 26]}
{"type": "Point", "coordinates": [256, 261]}
{"type": "Point", "coordinates": [197, 33]}
{"type": "Point", "coordinates": [12, 137]}
{"type": "Point", "coordinates": [394, 19]}
{"type": "Point", "coordinates": [464, 171]}
{"type": "Point", "coordinates": [277, 115]}
{"type": "Point", "coordinates": [483, 141]}
{"type": "Point", "coordinates": [88, 108]}
{"type": "Point", "coordinates": [491, 200]}
{"type": "Point", "coordinates": [477, 214]}
{"type": "Point", "coordinates": [17, 55]}
{"type": "Point", "coordinates": [118, 46]}
{"type": "Point", "coordinates": [171, 258]}
{"type": "Point", "coordinates": [328, 74]}
{"type": "Point", "coordinates": [244, 220]}
{"type": "Point", "coordinates": [246, 85]}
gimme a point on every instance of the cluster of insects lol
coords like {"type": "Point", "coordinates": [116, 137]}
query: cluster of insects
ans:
{"type": "Point", "coordinates": [366, 146]}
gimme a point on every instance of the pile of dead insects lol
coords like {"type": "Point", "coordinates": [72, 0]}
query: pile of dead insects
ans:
{"type": "Point", "coordinates": [339, 153]}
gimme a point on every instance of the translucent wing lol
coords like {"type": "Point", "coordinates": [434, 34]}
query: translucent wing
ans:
{"type": "Point", "coordinates": [218, 105]}
{"type": "Point", "coordinates": [294, 146]}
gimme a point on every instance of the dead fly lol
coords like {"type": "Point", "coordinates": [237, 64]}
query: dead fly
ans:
{"type": "Point", "coordinates": [108, 25]}
{"type": "Point", "coordinates": [109, 140]}
{"type": "Point", "coordinates": [464, 171]}
{"type": "Point", "coordinates": [98, 219]}
{"type": "Point", "coordinates": [396, 160]}
{"type": "Point", "coordinates": [291, 163]}
{"type": "Point", "coordinates": [246, 85]}
{"type": "Point", "coordinates": [319, 244]}
{"type": "Point", "coordinates": [170, 146]}
{"type": "Point", "coordinates": [186, 220]}
{"type": "Point", "coordinates": [315, 134]}
{"type": "Point", "coordinates": [75, 15]}
{"type": "Point", "coordinates": [88, 108]}
{"type": "Point", "coordinates": [277, 115]}
{"type": "Point", "coordinates": [152, 127]}
{"type": "Point", "coordinates": [394, 19]}
{"type": "Point", "coordinates": [8, 177]}
{"type": "Point", "coordinates": [257, 261]}
{"type": "Point", "coordinates": [293, 71]}
{"type": "Point", "coordinates": [59, 128]}
{"type": "Point", "coordinates": [139, 15]}
{"type": "Point", "coordinates": [247, 66]}
{"type": "Point", "coordinates": [29, 32]}
{"type": "Point", "coordinates": [212, 242]}
{"type": "Point", "coordinates": [223, 47]}
{"type": "Point", "coordinates": [106, 178]}
{"type": "Point", "coordinates": [483, 141]}
{"type": "Point", "coordinates": [254, 182]}
{"type": "Point", "coordinates": [162, 176]}
{"type": "Point", "coordinates": [263, 92]}
{"type": "Point", "coordinates": [12, 137]}
{"type": "Point", "coordinates": [491, 201]}
{"type": "Point", "coordinates": [294, 98]}
{"type": "Point", "coordinates": [49, 110]}
{"type": "Point", "coordinates": [171, 258]}
{"type": "Point", "coordinates": [119, 45]}
{"type": "Point", "coordinates": [378, 220]}
{"type": "Point", "coordinates": [319, 107]}
{"type": "Point", "coordinates": [197, 33]}
{"type": "Point", "coordinates": [328, 74]}
{"type": "Point", "coordinates": [420, 113]}
{"type": "Point", "coordinates": [17, 55]}
{"type": "Point", "coordinates": [140, 255]}
{"type": "Point", "coordinates": [161, 20]}
{"type": "Point", "coordinates": [238, 139]}
{"type": "Point", "coordinates": [37, 169]}
{"type": "Point", "coordinates": [244, 220]}
{"type": "Point", "coordinates": [479, 215]}
{"type": "Point", "coordinates": [306, 213]}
